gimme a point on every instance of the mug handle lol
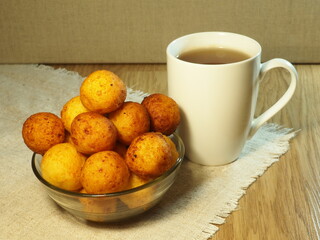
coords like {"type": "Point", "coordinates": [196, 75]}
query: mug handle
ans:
{"type": "Point", "coordinates": [265, 67]}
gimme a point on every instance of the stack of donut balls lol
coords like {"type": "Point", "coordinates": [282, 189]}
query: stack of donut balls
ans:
{"type": "Point", "coordinates": [102, 143]}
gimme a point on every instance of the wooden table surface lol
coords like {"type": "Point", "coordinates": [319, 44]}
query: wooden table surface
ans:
{"type": "Point", "coordinates": [284, 203]}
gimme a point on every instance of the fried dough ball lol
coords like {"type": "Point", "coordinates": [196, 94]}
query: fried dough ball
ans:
{"type": "Point", "coordinates": [42, 130]}
{"type": "Point", "coordinates": [92, 132]}
{"type": "Point", "coordinates": [141, 197]}
{"type": "Point", "coordinates": [131, 120]}
{"type": "Point", "coordinates": [136, 181]}
{"type": "Point", "coordinates": [173, 148]}
{"type": "Point", "coordinates": [164, 113]}
{"type": "Point", "coordinates": [70, 110]}
{"type": "Point", "coordinates": [149, 155]}
{"type": "Point", "coordinates": [102, 92]}
{"type": "Point", "coordinates": [104, 172]}
{"type": "Point", "coordinates": [100, 206]}
{"type": "Point", "coordinates": [61, 166]}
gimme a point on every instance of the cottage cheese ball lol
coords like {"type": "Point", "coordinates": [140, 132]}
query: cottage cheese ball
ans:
{"type": "Point", "coordinates": [136, 181]}
{"type": "Point", "coordinates": [70, 110]}
{"type": "Point", "coordinates": [104, 172]}
{"type": "Point", "coordinates": [131, 120]}
{"type": "Point", "coordinates": [92, 132]}
{"type": "Point", "coordinates": [100, 206]}
{"type": "Point", "coordinates": [164, 113]}
{"type": "Point", "coordinates": [149, 155]}
{"type": "Point", "coordinates": [141, 197]}
{"type": "Point", "coordinates": [102, 92]}
{"type": "Point", "coordinates": [42, 130]}
{"type": "Point", "coordinates": [61, 166]}
{"type": "Point", "coordinates": [174, 152]}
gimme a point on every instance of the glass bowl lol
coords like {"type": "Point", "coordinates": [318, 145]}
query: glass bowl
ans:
{"type": "Point", "coordinates": [117, 206]}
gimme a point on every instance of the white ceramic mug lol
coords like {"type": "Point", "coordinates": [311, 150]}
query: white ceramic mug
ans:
{"type": "Point", "coordinates": [218, 101]}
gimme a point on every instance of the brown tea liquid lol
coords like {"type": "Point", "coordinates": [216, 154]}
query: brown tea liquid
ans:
{"type": "Point", "coordinates": [213, 56]}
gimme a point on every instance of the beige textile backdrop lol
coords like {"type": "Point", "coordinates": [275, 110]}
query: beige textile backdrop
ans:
{"type": "Point", "coordinates": [138, 31]}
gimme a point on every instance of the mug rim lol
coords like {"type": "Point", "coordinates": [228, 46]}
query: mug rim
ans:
{"type": "Point", "coordinates": [253, 56]}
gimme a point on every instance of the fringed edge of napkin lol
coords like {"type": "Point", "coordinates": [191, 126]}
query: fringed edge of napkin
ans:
{"type": "Point", "coordinates": [132, 95]}
{"type": "Point", "coordinates": [282, 141]}
{"type": "Point", "coordinates": [59, 70]}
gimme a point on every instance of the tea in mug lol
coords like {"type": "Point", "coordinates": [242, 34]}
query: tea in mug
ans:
{"type": "Point", "coordinates": [213, 56]}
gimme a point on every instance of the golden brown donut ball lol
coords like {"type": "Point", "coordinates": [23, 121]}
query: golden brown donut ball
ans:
{"type": "Point", "coordinates": [131, 120]}
{"type": "Point", "coordinates": [164, 113]}
{"type": "Point", "coordinates": [104, 172]}
{"type": "Point", "coordinates": [136, 181]}
{"type": "Point", "coordinates": [70, 110]}
{"type": "Point", "coordinates": [141, 197]}
{"type": "Point", "coordinates": [61, 166]}
{"type": "Point", "coordinates": [100, 206]}
{"type": "Point", "coordinates": [92, 132]}
{"type": "Point", "coordinates": [149, 155]}
{"type": "Point", "coordinates": [102, 92]}
{"type": "Point", "coordinates": [174, 151]}
{"type": "Point", "coordinates": [42, 130]}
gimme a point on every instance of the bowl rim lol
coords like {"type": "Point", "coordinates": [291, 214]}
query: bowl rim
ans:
{"type": "Point", "coordinates": [113, 194]}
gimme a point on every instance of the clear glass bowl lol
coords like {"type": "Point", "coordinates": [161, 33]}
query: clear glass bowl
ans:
{"type": "Point", "coordinates": [112, 207]}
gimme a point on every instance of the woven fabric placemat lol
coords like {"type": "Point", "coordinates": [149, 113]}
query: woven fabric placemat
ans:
{"type": "Point", "coordinates": [199, 200]}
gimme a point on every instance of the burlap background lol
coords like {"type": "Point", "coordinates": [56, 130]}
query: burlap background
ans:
{"type": "Point", "coordinates": [85, 31]}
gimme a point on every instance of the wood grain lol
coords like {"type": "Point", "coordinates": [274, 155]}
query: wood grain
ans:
{"type": "Point", "coordinates": [284, 203]}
